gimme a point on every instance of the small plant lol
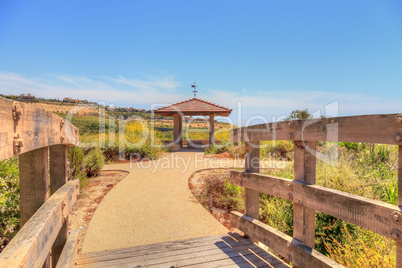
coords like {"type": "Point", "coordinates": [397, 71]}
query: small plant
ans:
{"type": "Point", "coordinates": [75, 159]}
{"type": "Point", "coordinates": [235, 150]}
{"type": "Point", "coordinates": [93, 162]}
{"type": "Point", "coordinates": [362, 249]}
{"type": "Point", "coordinates": [280, 150]}
{"type": "Point", "coordinates": [390, 189]}
{"type": "Point", "coordinates": [9, 200]}
{"type": "Point", "coordinates": [219, 193]}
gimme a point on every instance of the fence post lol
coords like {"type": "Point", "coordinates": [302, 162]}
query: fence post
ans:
{"type": "Point", "coordinates": [399, 244]}
{"type": "Point", "coordinates": [252, 164]}
{"type": "Point", "coordinates": [34, 184]}
{"type": "Point", "coordinates": [304, 170]}
{"type": "Point", "coordinates": [58, 177]}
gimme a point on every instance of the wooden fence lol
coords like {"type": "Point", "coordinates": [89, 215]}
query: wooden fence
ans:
{"type": "Point", "coordinates": [307, 198]}
{"type": "Point", "coordinates": [40, 139]}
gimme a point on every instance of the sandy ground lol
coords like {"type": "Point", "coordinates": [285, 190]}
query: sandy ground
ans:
{"type": "Point", "coordinates": [153, 204]}
{"type": "Point", "coordinates": [90, 198]}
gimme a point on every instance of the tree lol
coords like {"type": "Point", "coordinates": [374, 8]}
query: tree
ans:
{"type": "Point", "coordinates": [299, 115]}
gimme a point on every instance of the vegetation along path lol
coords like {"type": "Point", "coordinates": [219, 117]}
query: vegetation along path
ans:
{"type": "Point", "coordinates": [153, 204]}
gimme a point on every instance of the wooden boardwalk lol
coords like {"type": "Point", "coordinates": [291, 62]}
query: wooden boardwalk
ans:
{"type": "Point", "coordinates": [230, 250]}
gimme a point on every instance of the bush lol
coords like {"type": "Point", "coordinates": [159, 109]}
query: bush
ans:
{"type": "Point", "coordinates": [93, 162]}
{"type": "Point", "coordinates": [362, 249]}
{"type": "Point", "coordinates": [280, 150]}
{"type": "Point", "coordinates": [235, 150]}
{"type": "Point", "coordinates": [9, 200]}
{"type": "Point", "coordinates": [219, 193]}
{"type": "Point", "coordinates": [75, 159]}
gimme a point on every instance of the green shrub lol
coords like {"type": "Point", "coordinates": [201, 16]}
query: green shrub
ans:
{"type": "Point", "coordinates": [277, 212]}
{"type": "Point", "coordinates": [9, 200]}
{"type": "Point", "coordinates": [214, 149]}
{"type": "Point", "coordinates": [76, 162]}
{"type": "Point", "coordinates": [362, 249]}
{"type": "Point", "coordinates": [93, 162]}
{"type": "Point", "coordinates": [280, 150]}
{"type": "Point", "coordinates": [219, 193]}
{"type": "Point", "coordinates": [235, 150]}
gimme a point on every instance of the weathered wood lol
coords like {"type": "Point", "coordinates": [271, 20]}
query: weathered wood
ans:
{"type": "Point", "coordinates": [57, 166]}
{"type": "Point", "coordinates": [252, 164]}
{"type": "Point", "coordinates": [34, 182]}
{"type": "Point", "coordinates": [30, 247]}
{"type": "Point", "coordinates": [211, 129]}
{"type": "Point", "coordinates": [371, 214]}
{"type": "Point", "coordinates": [58, 177]}
{"type": "Point", "coordinates": [215, 251]}
{"type": "Point", "coordinates": [228, 239]}
{"type": "Point", "coordinates": [268, 184]}
{"type": "Point", "coordinates": [399, 243]}
{"type": "Point", "coordinates": [304, 170]}
{"type": "Point", "coordinates": [70, 250]}
{"type": "Point", "coordinates": [177, 130]}
{"type": "Point", "coordinates": [30, 127]}
{"type": "Point", "coordinates": [346, 129]}
{"type": "Point", "coordinates": [298, 253]}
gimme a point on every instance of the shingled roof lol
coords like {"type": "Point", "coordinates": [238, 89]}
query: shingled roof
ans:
{"type": "Point", "coordinates": [193, 106]}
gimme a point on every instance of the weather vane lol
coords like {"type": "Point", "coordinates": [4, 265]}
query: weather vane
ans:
{"type": "Point", "coordinates": [194, 89]}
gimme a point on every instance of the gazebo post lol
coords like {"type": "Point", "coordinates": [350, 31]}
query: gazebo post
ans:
{"type": "Point", "coordinates": [181, 130]}
{"type": "Point", "coordinates": [211, 129]}
{"type": "Point", "coordinates": [176, 129]}
{"type": "Point", "coordinates": [192, 107]}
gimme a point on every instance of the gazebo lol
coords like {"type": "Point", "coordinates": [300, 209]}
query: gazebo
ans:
{"type": "Point", "coordinates": [192, 107]}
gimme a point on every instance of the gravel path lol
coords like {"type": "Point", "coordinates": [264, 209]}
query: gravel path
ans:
{"type": "Point", "coordinates": [153, 204]}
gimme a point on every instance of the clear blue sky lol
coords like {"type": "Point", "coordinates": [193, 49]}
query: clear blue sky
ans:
{"type": "Point", "coordinates": [273, 56]}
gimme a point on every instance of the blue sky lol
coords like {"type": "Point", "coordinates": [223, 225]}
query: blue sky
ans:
{"type": "Point", "coordinates": [272, 56]}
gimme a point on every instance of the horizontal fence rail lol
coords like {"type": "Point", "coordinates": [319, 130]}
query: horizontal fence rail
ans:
{"type": "Point", "coordinates": [26, 127]}
{"type": "Point", "coordinates": [382, 128]}
{"type": "Point", "coordinates": [307, 197]}
{"type": "Point", "coordinates": [30, 247]}
{"type": "Point", "coordinates": [70, 250]}
{"type": "Point", "coordinates": [376, 216]}
{"type": "Point", "coordinates": [284, 245]}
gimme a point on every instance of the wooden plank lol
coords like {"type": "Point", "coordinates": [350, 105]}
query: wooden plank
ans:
{"type": "Point", "coordinates": [268, 184]}
{"type": "Point", "coordinates": [252, 164]}
{"type": "Point", "coordinates": [58, 177]}
{"type": "Point", "coordinates": [304, 170]}
{"type": "Point", "coordinates": [166, 249]}
{"type": "Point", "coordinates": [30, 247]}
{"type": "Point", "coordinates": [215, 253]}
{"type": "Point", "coordinates": [398, 215]}
{"type": "Point", "coordinates": [298, 253]}
{"type": "Point", "coordinates": [34, 182]}
{"type": "Point", "coordinates": [34, 185]}
{"type": "Point", "coordinates": [373, 215]}
{"type": "Point", "coordinates": [33, 127]}
{"type": "Point", "coordinates": [230, 239]}
{"type": "Point", "coordinates": [161, 253]}
{"type": "Point", "coordinates": [70, 250]}
{"type": "Point", "coordinates": [379, 128]}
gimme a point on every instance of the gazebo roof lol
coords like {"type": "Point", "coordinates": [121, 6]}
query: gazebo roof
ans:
{"type": "Point", "coordinates": [193, 106]}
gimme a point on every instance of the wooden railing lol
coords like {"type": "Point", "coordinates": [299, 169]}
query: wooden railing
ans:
{"type": "Point", "coordinates": [40, 139]}
{"type": "Point", "coordinates": [307, 198]}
